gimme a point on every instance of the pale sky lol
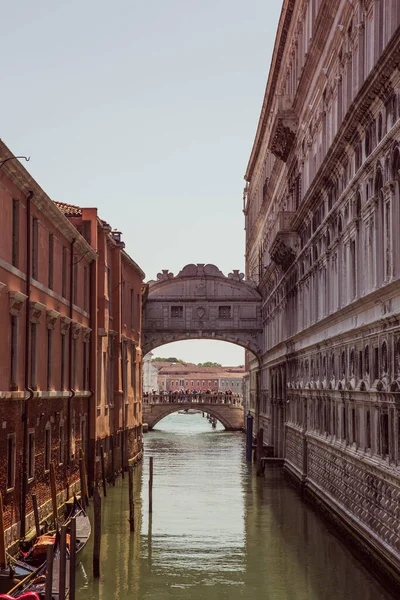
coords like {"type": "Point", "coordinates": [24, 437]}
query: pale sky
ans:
{"type": "Point", "coordinates": [147, 110]}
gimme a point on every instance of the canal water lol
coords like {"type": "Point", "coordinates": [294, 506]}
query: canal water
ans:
{"type": "Point", "coordinates": [217, 532]}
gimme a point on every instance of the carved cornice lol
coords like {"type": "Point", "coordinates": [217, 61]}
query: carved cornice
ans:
{"type": "Point", "coordinates": [76, 329]}
{"type": "Point", "coordinates": [65, 323]}
{"type": "Point", "coordinates": [36, 309]}
{"type": "Point", "coordinates": [86, 331]}
{"type": "Point", "coordinates": [16, 302]}
{"type": "Point", "coordinates": [51, 318]}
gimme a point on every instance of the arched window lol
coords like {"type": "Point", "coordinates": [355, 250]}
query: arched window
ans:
{"type": "Point", "coordinates": [366, 359]}
{"type": "Point", "coordinates": [380, 127]}
{"type": "Point", "coordinates": [384, 358]}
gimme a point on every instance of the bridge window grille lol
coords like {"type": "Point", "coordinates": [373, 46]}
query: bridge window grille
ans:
{"type": "Point", "coordinates": [224, 312]}
{"type": "Point", "coordinates": [176, 312]}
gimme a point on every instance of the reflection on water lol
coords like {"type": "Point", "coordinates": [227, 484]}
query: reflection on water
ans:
{"type": "Point", "coordinates": [216, 530]}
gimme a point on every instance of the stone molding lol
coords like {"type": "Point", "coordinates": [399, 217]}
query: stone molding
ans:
{"type": "Point", "coordinates": [65, 323]}
{"type": "Point", "coordinates": [76, 330]}
{"type": "Point", "coordinates": [51, 318]}
{"type": "Point", "coordinates": [86, 331]}
{"type": "Point", "coordinates": [36, 309]}
{"type": "Point", "coordinates": [16, 302]}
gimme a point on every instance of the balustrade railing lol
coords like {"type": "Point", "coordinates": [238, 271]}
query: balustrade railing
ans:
{"type": "Point", "coordinates": [189, 398]}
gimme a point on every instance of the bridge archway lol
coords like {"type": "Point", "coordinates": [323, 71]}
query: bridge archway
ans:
{"type": "Point", "coordinates": [202, 303]}
{"type": "Point", "coordinates": [230, 416]}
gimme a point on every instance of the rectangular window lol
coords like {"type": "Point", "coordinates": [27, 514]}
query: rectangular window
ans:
{"type": "Point", "coordinates": [224, 312]}
{"type": "Point", "coordinates": [33, 357]}
{"type": "Point", "coordinates": [31, 454]}
{"type": "Point", "coordinates": [10, 461]}
{"type": "Point", "coordinates": [133, 374]}
{"type": "Point", "coordinates": [75, 363]}
{"type": "Point", "coordinates": [14, 353]}
{"type": "Point", "coordinates": [85, 366]}
{"type": "Point", "coordinates": [35, 248]}
{"type": "Point", "coordinates": [51, 260]}
{"type": "Point", "coordinates": [85, 288]}
{"type": "Point", "coordinates": [109, 288]}
{"type": "Point", "coordinates": [64, 273]}
{"type": "Point", "coordinates": [111, 376]}
{"type": "Point", "coordinates": [15, 234]}
{"type": "Point", "coordinates": [47, 448]}
{"type": "Point", "coordinates": [105, 379]}
{"type": "Point", "coordinates": [176, 312]}
{"type": "Point", "coordinates": [132, 309]}
{"type": "Point", "coordinates": [63, 361]}
{"type": "Point", "coordinates": [61, 446]}
{"type": "Point", "coordinates": [384, 435]}
{"type": "Point", "coordinates": [75, 275]}
{"type": "Point", "coordinates": [49, 358]}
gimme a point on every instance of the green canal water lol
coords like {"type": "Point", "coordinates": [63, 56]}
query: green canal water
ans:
{"type": "Point", "coordinates": [217, 532]}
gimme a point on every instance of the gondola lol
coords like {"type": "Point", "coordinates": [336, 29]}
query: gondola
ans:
{"type": "Point", "coordinates": [35, 581]}
{"type": "Point", "coordinates": [15, 572]}
{"type": "Point", "coordinates": [36, 555]}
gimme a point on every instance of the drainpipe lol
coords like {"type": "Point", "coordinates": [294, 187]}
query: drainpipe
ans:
{"type": "Point", "coordinates": [25, 413]}
{"type": "Point", "coordinates": [70, 369]}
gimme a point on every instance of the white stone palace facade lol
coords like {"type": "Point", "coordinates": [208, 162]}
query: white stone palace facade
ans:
{"type": "Point", "coordinates": [322, 210]}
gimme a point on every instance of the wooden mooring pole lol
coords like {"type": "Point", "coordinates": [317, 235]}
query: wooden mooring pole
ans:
{"type": "Point", "coordinates": [82, 481]}
{"type": "Point", "coordinates": [53, 487]}
{"type": "Point", "coordinates": [3, 558]}
{"type": "Point", "coordinates": [131, 501]}
{"type": "Point", "coordinates": [48, 595]}
{"type": "Point", "coordinates": [112, 460]}
{"type": "Point", "coordinates": [151, 484]}
{"type": "Point", "coordinates": [259, 451]}
{"type": "Point", "coordinates": [85, 481]}
{"type": "Point", "coordinates": [63, 562]}
{"type": "Point", "coordinates": [103, 471]}
{"type": "Point", "coordinates": [97, 532]}
{"type": "Point", "coordinates": [36, 514]}
{"type": "Point", "coordinates": [72, 559]}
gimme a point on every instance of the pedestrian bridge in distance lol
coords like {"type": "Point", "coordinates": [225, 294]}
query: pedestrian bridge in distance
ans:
{"type": "Point", "coordinates": [225, 408]}
{"type": "Point", "coordinates": [202, 303]}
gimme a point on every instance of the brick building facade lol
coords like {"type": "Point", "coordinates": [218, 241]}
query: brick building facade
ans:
{"type": "Point", "coordinates": [51, 406]}
{"type": "Point", "coordinates": [175, 377]}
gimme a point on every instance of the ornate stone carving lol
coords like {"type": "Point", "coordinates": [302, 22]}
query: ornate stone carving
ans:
{"type": "Point", "coordinates": [36, 309]}
{"type": "Point", "coordinates": [16, 302]}
{"type": "Point", "coordinates": [76, 329]}
{"type": "Point", "coordinates": [284, 128]}
{"type": "Point", "coordinates": [86, 331]}
{"type": "Point", "coordinates": [51, 318]}
{"type": "Point", "coordinates": [2, 286]}
{"type": "Point", "coordinates": [65, 323]}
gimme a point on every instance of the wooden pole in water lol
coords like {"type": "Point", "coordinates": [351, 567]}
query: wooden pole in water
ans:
{"type": "Point", "coordinates": [63, 562]}
{"type": "Point", "coordinates": [85, 481]}
{"type": "Point", "coordinates": [103, 472]}
{"type": "Point", "coordinates": [112, 460]}
{"type": "Point", "coordinates": [82, 480]}
{"type": "Point", "coordinates": [151, 484]}
{"type": "Point", "coordinates": [97, 531]}
{"type": "Point", "coordinates": [36, 514]}
{"type": "Point", "coordinates": [259, 451]}
{"type": "Point", "coordinates": [131, 501]}
{"type": "Point", "coordinates": [3, 558]}
{"type": "Point", "coordinates": [49, 573]}
{"type": "Point", "coordinates": [72, 559]}
{"type": "Point", "coordinates": [53, 492]}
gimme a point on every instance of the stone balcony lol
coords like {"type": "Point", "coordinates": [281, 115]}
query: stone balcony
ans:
{"type": "Point", "coordinates": [284, 127]}
{"type": "Point", "coordinates": [285, 243]}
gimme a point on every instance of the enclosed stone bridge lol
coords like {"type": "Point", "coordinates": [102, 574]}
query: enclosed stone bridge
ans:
{"type": "Point", "coordinates": [202, 303]}
{"type": "Point", "coordinates": [226, 409]}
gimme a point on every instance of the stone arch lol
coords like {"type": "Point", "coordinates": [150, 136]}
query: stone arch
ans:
{"type": "Point", "coordinates": [202, 303]}
{"type": "Point", "coordinates": [215, 410]}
